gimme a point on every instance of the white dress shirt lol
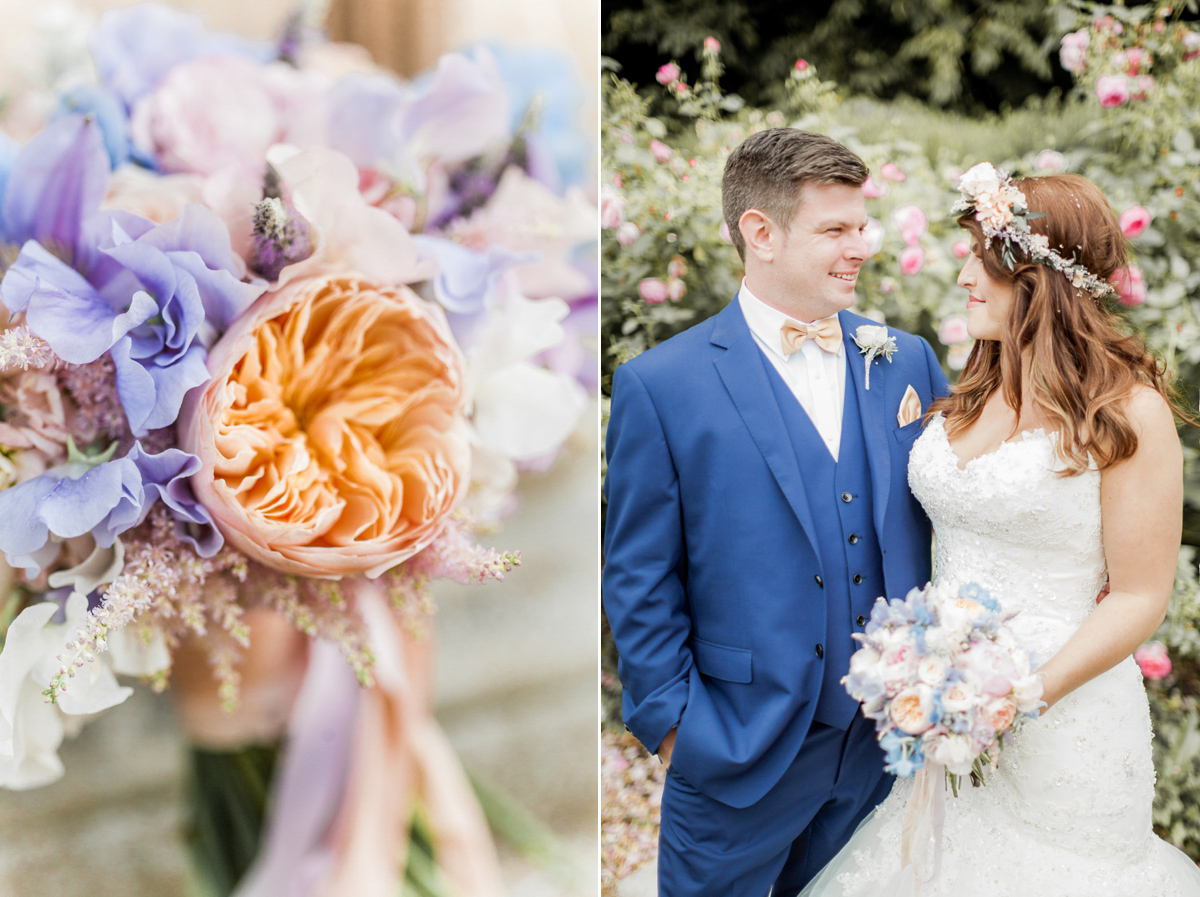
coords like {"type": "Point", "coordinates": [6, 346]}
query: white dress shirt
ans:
{"type": "Point", "coordinates": [816, 378]}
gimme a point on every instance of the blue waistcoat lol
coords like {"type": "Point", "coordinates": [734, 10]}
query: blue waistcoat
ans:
{"type": "Point", "coordinates": [851, 561]}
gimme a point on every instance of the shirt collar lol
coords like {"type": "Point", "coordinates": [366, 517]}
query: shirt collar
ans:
{"type": "Point", "coordinates": [765, 321]}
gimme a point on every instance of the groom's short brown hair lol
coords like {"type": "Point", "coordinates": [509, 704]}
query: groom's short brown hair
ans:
{"type": "Point", "coordinates": [767, 170]}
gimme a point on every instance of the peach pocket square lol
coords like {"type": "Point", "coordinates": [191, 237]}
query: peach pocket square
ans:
{"type": "Point", "coordinates": [910, 407]}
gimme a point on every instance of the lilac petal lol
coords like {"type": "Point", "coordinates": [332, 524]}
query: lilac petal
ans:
{"type": "Point", "coordinates": [466, 279]}
{"type": "Point", "coordinates": [223, 297]}
{"type": "Point", "coordinates": [165, 476]}
{"type": "Point", "coordinates": [151, 395]}
{"type": "Point", "coordinates": [363, 118]}
{"type": "Point", "coordinates": [35, 263]}
{"type": "Point", "coordinates": [106, 501]}
{"type": "Point", "coordinates": [58, 178]}
{"type": "Point", "coordinates": [463, 112]}
{"type": "Point", "coordinates": [81, 328]}
{"type": "Point", "coordinates": [134, 48]}
{"type": "Point", "coordinates": [21, 532]}
{"type": "Point", "coordinates": [171, 384]}
{"type": "Point", "coordinates": [102, 231]}
{"type": "Point", "coordinates": [312, 775]}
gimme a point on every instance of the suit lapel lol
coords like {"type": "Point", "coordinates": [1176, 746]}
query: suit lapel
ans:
{"type": "Point", "coordinates": [741, 368]}
{"type": "Point", "coordinates": [872, 408]}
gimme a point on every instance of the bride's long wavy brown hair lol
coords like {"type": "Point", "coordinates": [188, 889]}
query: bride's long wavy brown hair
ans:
{"type": "Point", "coordinates": [1084, 365]}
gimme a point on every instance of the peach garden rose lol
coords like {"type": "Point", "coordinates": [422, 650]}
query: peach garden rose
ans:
{"type": "Point", "coordinates": [331, 433]}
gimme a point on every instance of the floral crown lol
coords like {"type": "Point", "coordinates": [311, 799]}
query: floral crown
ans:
{"type": "Point", "coordinates": [1004, 214]}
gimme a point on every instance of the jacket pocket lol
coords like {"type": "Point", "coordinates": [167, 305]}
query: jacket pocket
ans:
{"type": "Point", "coordinates": [909, 432]}
{"type": "Point", "coordinates": [722, 661]}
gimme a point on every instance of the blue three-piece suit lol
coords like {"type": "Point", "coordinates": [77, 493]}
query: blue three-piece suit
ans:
{"type": "Point", "coordinates": [739, 559]}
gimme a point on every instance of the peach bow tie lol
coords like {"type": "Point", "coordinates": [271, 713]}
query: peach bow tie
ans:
{"type": "Point", "coordinates": [826, 333]}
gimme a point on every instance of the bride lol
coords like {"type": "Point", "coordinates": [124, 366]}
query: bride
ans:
{"type": "Point", "coordinates": [1054, 464]}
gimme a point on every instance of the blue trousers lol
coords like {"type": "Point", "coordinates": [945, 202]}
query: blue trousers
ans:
{"type": "Point", "coordinates": [709, 849]}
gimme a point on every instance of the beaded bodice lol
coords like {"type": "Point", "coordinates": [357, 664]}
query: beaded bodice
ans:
{"type": "Point", "coordinates": [1011, 522]}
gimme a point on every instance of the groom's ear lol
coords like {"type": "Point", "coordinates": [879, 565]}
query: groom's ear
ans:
{"type": "Point", "coordinates": [758, 232]}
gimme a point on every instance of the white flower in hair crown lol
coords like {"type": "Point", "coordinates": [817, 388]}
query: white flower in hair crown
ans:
{"type": "Point", "coordinates": [1002, 212]}
{"type": "Point", "coordinates": [872, 340]}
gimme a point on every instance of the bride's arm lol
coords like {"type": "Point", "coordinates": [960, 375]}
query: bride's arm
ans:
{"type": "Point", "coordinates": [1141, 511]}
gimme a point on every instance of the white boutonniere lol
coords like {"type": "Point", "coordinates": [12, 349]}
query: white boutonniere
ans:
{"type": "Point", "coordinates": [873, 340]}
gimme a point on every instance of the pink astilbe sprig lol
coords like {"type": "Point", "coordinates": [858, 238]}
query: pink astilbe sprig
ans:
{"type": "Point", "coordinates": [163, 584]}
{"type": "Point", "coordinates": [453, 555]}
{"type": "Point", "coordinates": [23, 350]}
{"type": "Point", "coordinates": [456, 556]}
{"type": "Point", "coordinates": [93, 388]}
{"type": "Point", "coordinates": [318, 608]}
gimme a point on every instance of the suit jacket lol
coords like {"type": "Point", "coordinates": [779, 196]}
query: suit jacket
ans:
{"type": "Point", "coordinates": [710, 569]}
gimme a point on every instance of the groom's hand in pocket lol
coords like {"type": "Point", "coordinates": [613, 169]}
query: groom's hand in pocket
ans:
{"type": "Point", "coordinates": [667, 746]}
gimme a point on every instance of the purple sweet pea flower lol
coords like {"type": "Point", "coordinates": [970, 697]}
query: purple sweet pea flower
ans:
{"type": "Point", "coordinates": [166, 476]}
{"type": "Point", "coordinates": [153, 302]}
{"type": "Point", "coordinates": [57, 180]}
{"type": "Point", "coordinates": [134, 48]}
{"type": "Point", "coordinates": [70, 500]}
{"type": "Point", "coordinates": [109, 113]}
{"type": "Point", "coordinates": [457, 113]}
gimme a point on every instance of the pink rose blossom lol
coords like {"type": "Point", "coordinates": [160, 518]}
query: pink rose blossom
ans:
{"type": "Point", "coordinates": [712, 46]}
{"type": "Point", "coordinates": [681, 87]}
{"type": "Point", "coordinates": [612, 209]}
{"type": "Point", "coordinates": [1143, 86]}
{"type": "Point", "coordinates": [1073, 54]}
{"type": "Point", "coordinates": [1000, 713]}
{"type": "Point", "coordinates": [627, 233]}
{"type": "Point", "coordinates": [1191, 45]}
{"type": "Point", "coordinates": [911, 709]}
{"type": "Point", "coordinates": [1131, 290]}
{"type": "Point", "coordinates": [912, 260]}
{"type": "Point", "coordinates": [801, 65]}
{"type": "Point", "coordinates": [912, 223]}
{"type": "Point", "coordinates": [961, 249]}
{"type": "Point", "coordinates": [667, 73]}
{"type": "Point", "coordinates": [1153, 660]}
{"type": "Point", "coordinates": [1132, 60]}
{"type": "Point", "coordinates": [223, 113]}
{"type": "Point", "coordinates": [1051, 160]}
{"type": "Point", "coordinates": [676, 290]}
{"type": "Point", "coordinates": [677, 267]}
{"type": "Point", "coordinates": [892, 172]}
{"type": "Point", "coordinates": [1112, 90]}
{"type": "Point", "coordinates": [1134, 221]}
{"type": "Point", "coordinates": [653, 290]}
{"type": "Point", "coordinates": [660, 150]}
{"type": "Point", "coordinates": [953, 331]}
{"type": "Point", "coordinates": [1108, 23]}
{"type": "Point", "coordinates": [873, 189]}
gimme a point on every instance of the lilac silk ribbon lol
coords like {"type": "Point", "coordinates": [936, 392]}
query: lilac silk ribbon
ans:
{"type": "Point", "coordinates": [924, 818]}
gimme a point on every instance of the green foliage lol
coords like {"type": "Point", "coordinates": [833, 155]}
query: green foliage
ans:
{"type": "Point", "coordinates": [963, 54]}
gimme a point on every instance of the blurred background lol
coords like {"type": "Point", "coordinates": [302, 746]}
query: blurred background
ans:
{"type": "Point", "coordinates": [921, 90]}
{"type": "Point", "coordinates": [517, 660]}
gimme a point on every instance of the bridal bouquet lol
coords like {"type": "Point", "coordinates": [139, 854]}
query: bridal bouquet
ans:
{"type": "Point", "coordinates": [279, 332]}
{"type": "Point", "coordinates": [944, 679]}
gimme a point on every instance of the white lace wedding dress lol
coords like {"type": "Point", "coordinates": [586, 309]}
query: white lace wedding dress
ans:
{"type": "Point", "coordinates": [1067, 814]}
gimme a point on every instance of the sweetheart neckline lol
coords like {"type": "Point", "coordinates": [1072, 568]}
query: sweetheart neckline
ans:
{"type": "Point", "coordinates": [963, 467]}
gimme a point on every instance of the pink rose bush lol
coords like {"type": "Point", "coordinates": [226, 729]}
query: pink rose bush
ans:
{"type": "Point", "coordinates": [1131, 286]}
{"type": "Point", "coordinates": [940, 674]}
{"type": "Point", "coordinates": [1134, 221]}
{"type": "Point", "coordinates": [1112, 90]}
{"type": "Point", "coordinates": [1153, 660]}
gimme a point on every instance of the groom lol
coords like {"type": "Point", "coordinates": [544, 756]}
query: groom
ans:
{"type": "Point", "coordinates": [758, 503]}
